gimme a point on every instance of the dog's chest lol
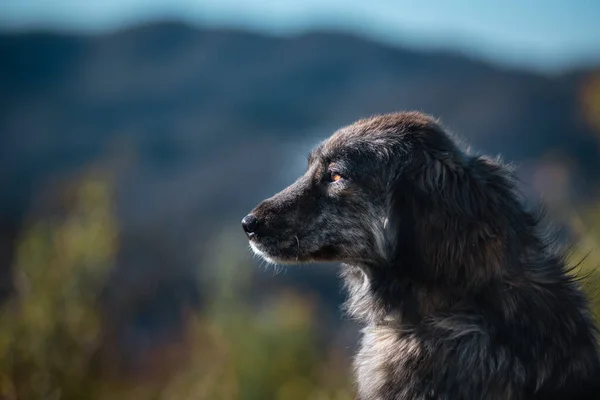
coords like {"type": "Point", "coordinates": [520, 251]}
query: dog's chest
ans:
{"type": "Point", "coordinates": [388, 364]}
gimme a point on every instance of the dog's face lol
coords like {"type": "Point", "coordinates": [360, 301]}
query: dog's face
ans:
{"type": "Point", "coordinates": [334, 212]}
{"type": "Point", "coordinates": [339, 210]}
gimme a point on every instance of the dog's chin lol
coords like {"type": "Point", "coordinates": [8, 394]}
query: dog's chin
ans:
{"type": "Point", "coordinates": [271, 258]}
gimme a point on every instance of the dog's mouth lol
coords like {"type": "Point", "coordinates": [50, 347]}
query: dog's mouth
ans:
{"type": "Point", "coordinates": [257, 250]}
{"type": "Point", "coordinates": [276, 251]}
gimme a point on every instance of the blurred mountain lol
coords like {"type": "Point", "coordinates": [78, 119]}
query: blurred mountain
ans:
{"type": "Point", "coordinates": [197, 126]}
{"type": "Point", "coordinates": [192, 119]}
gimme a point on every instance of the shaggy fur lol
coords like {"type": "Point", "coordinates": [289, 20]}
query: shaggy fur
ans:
{"type": "Point", "coordinates": [462, 292]}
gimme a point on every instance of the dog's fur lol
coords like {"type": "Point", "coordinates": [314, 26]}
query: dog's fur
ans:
{"type": "Point", "coordinates": [463, 294]}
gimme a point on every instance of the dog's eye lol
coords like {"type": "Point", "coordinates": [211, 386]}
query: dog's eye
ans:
{"type": "Point", "coordinates": [334, 176]}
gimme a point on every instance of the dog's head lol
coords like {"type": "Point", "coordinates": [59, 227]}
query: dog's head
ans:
{"type": "Point", "coordinates": [388, 189]}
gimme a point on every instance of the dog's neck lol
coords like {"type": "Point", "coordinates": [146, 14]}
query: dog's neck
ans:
{"type": "Point", "coordinates": [377, 296]}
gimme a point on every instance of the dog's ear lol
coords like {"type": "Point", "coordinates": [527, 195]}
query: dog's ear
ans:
{"type": "Point", "coordinates": [430, 177]}
{"type": "Point", "coordinates": [447, 218]}
{"type": "Point", "coordinates": [441, 169]}
{"type": "Point", "coordinates": [400, 228]}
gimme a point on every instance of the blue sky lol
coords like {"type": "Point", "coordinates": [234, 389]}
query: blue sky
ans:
{"type": "Point", "coordinates": [542, 34]}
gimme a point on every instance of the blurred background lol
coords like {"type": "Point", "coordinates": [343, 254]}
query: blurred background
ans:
{"type": "Point", "coordinates": [135, 135]}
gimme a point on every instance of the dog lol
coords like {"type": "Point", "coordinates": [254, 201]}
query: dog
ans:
{"type": "Point", "coordinates": [462, 292]}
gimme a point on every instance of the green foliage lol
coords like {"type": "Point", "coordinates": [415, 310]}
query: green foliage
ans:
{"type": "Point", "coordinates": [51, 332]}
{"type": "Point", "coordinates": [586, 255]}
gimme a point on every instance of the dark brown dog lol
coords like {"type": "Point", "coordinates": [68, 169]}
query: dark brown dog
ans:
{"type": "Point", "coordinates": [460, 289]}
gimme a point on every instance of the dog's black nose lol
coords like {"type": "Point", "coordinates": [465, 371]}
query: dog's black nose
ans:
{"type": "Point", "coordinates": [249, 223]}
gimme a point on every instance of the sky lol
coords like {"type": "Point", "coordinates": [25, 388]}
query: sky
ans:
{"type": "Point", "coordinates": [547, 35]}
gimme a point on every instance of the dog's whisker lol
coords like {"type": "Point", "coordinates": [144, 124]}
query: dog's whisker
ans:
{"type": "Point", "coordinates": [298, 252]}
